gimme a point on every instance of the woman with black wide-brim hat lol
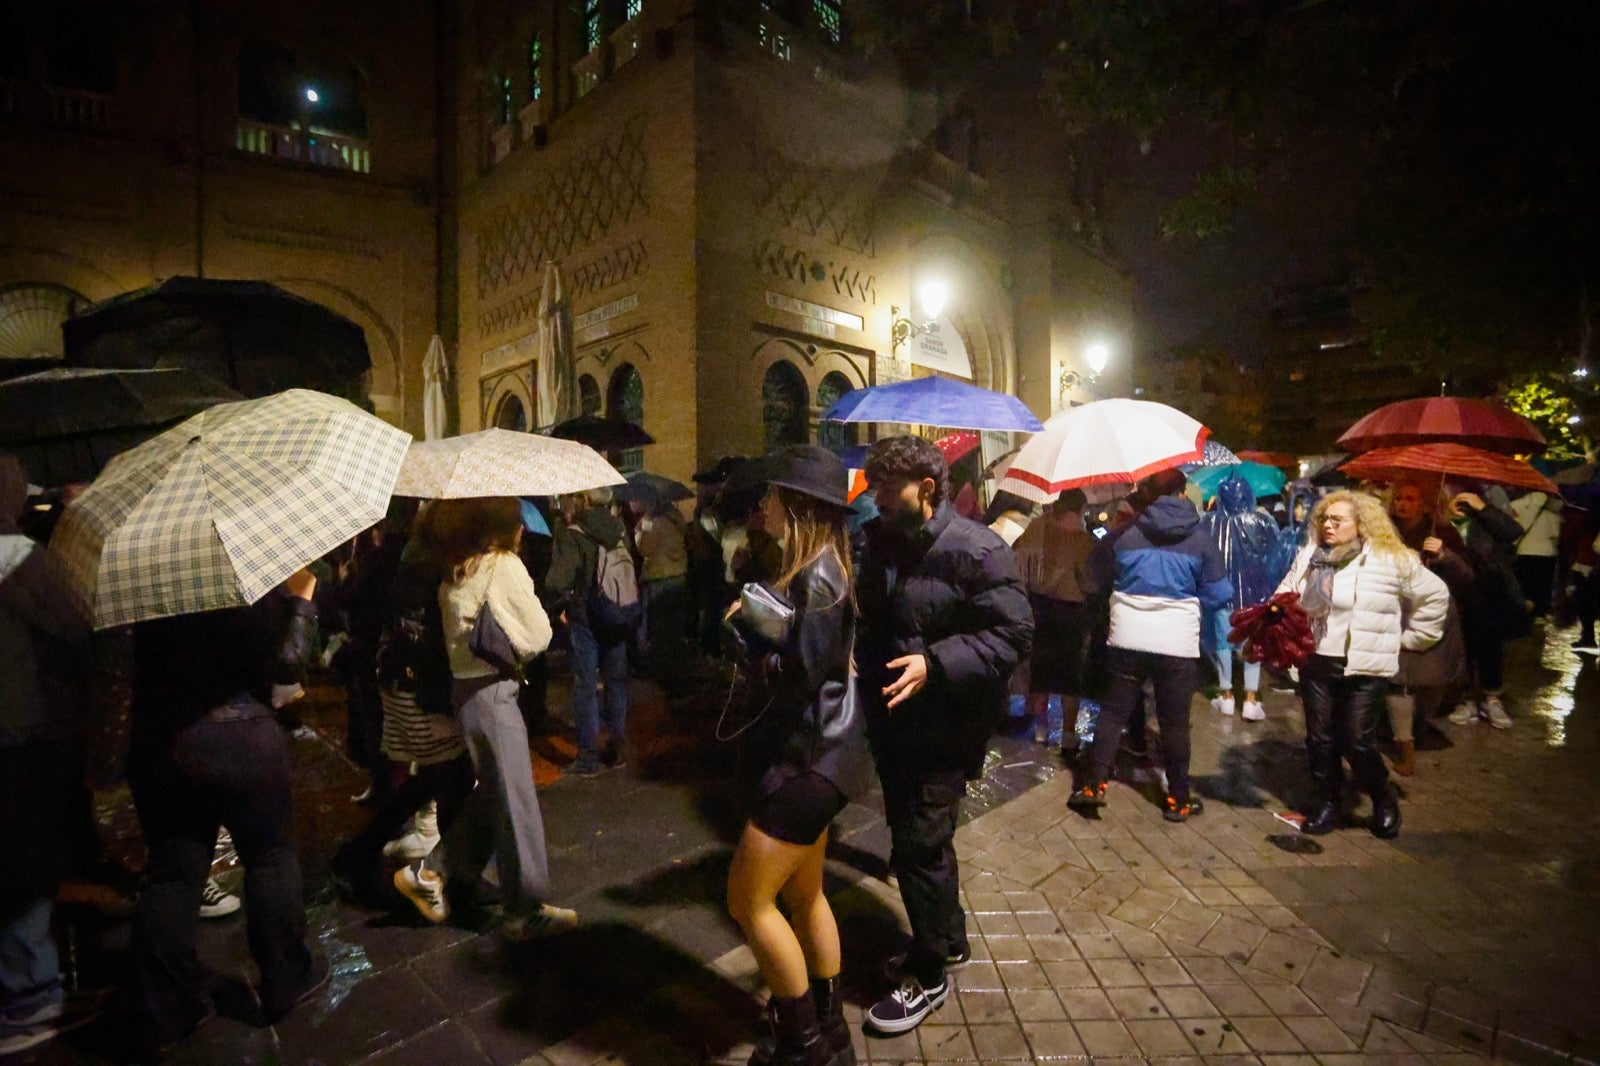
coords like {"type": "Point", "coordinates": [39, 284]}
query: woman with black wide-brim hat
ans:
{"type": "Point", "coordinates": [821, 759]}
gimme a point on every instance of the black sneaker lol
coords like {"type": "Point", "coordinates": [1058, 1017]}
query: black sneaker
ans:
{"type": "Point", "coordinates": [905, 1008]}
{"type": "Point", "coordinates": [895, 968]}
{"type": "Point", "coordinates": [586, 766]}
{"type": "Point", "coordinates": [1088, 798]}
{"type": "Point", "coordinates": [1173, 811]}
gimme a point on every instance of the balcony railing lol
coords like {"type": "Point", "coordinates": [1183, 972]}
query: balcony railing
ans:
{"type": "Point", "coordinates": [50, 105]}
{"type": "Point", "coordinates": [331, 150]}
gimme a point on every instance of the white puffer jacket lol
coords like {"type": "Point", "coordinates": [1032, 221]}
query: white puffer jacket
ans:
{"type": "Point", "coordinates": [1400, 604]}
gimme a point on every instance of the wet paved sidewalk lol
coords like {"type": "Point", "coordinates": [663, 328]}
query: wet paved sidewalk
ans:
{"type": "Point", "coordinates": [1477, 932]}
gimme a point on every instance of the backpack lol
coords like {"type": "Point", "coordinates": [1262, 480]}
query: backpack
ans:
{"type": "Point", "coordinates": [613, 602]}
{"type": "Point", "coordinates": [411, 657]}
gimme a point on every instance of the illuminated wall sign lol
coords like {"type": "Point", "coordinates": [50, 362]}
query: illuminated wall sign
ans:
{"type": "Point", "coordinates": [513, 353]}
{"type": "Point", "coordinates": [595, 325]}
{"type": "Point", "coordinates": [939, 347]}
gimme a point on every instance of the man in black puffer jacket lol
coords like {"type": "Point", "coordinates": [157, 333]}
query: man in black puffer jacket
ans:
{"type": "Point", "coordinates": [944, 621]}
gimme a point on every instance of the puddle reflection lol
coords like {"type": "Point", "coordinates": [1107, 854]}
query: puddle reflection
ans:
{"type": "Point", "coordinates": [1553, 704]}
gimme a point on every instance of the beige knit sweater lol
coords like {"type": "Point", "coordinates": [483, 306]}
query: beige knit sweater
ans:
{"type": "Point", "coordinates": [503, 581]}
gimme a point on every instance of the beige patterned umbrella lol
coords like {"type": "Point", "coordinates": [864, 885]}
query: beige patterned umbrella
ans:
{"type": "Point", "coordinates": [500, 462]}
{"type": "Point", "coordinates": [222, 507]}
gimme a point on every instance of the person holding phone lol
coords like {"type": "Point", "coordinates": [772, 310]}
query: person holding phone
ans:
{"type": "Point", "coordinates": [817, 758]}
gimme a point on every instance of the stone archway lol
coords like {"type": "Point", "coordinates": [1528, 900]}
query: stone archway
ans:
{"type": "Point", "coordinates": [386, 383]}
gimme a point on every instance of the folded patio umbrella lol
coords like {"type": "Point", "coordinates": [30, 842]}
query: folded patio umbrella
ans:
{"type": "Point", "coordinates": [1446, 460]}
{"type": "Point", "coordinates": [222, 507]}
{"type": "Point", "coordinates": [501, 462]}
{"type": "Point", "coordinates": [1445, 419]}
{"type": "Point", "coordinates": [1108, 441]}
{"type": "Point", "coordinates": [934, 401]}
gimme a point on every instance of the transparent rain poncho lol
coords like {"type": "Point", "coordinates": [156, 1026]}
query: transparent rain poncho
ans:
{"type": "Point", "coordinates": [1249, 541]}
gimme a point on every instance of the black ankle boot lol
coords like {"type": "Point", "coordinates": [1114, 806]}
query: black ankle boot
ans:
{"type": "Point", "coordinates": [1321, 817]}
{"type": "Point", "coordinates": [1385, 814]}
{"type": "Point", "coordinates": [830, 1016]}
{"type": "Point", "coordinates": [796, 1035]}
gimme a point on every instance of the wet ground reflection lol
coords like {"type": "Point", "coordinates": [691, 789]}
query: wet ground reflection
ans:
{"type": "Point", "coordinates": [1554, 703]}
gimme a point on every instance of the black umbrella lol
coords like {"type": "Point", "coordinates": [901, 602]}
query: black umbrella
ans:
{"type": "Point", "coordinates": [253, 336]}
{"type": "Point", "coordinates": [653, 487]}
{"type": "Point", "coordinates": [603, 434]}
{"type": "Point", "coordinates": [66, 424]}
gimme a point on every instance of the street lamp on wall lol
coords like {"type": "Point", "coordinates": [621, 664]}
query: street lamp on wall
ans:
{"type": "Point", "coordinates": [932, 295]}
{"type": "Point", "coordinates": [1097, 355]}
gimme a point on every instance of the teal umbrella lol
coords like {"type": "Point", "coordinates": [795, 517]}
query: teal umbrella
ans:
{"type": "Point", "coordinates": [1263, 480]}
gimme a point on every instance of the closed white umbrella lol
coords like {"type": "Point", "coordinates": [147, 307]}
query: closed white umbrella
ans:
{"type": "Point", "coordinates": [501, 462]}
{"type": "Point", "coordinates": [219, 509]}
{"type": "Point", "coordinates": [435, 373]}
{"type": "Point", "coordinates": [557, 382]}
{"type": "Point", "coordinates": [1105, 442]}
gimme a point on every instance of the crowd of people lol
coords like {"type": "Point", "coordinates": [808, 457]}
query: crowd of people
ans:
{"type": "Point", "coordinates": [876, 643]}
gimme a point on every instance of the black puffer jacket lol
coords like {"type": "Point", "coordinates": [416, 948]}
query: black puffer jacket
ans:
{"type": "Point", "coordinates": [951, 592]}
{"type": "Point", "coordinates": [815, 723]}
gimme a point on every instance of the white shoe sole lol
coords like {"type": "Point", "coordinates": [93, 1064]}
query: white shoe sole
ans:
{"type": "Point", "coordinates": [905, 1025]}
{"type": "Point", "coordinates": [410, 846]}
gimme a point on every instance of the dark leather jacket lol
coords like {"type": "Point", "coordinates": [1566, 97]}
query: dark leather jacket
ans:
{"type": "Point", "coordinates": [814, 723]}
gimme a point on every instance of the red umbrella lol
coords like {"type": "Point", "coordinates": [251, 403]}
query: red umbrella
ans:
{"type": "Point", "coordinates": [1478, 423]}
{"type": "Point", "coordinates": [1450, 460]}
{"type": "Point", "coordinates": [1289, 464]}
{"type": "Point", "coordinates": [956, 445]}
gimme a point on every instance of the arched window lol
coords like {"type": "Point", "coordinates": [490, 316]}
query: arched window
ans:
{"type": "Point", "coordinates": [834, 435]}
{"type": "Point", "coordinates": [511, 413]}
{"type": "Point", "coordinates": [279, 88]}
{"type": "Point", "coordinates": [588, 395]}
{"type": "Point", "coordinates": [785, 405]}
{"type": "Point", "coordinates": [625, 400]}
{"type": "Point", "coordinates": [31, 317]}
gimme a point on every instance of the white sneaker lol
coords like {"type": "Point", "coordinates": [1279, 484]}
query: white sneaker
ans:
{"type": "Point", "coordinates": [425, 890]}
{"type": "Point", "coordinates": [420, 839]}
{"type": "Point", "coordinates": [216, 901]}
{"type": "Point", "coordinates": [1465, 712]}
{"type": "Point", "coordinates": [1496, 712]}
{"type": "Point", "coordinates": [1253, 711]}
{"type": "Point", "coordinates": [1223, 705]}
{"type": "Point", "coordinates": [549, 920]}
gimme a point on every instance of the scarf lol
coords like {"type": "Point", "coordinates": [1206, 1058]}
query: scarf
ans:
{"type": "Point", "coordinates": [1317, 599]}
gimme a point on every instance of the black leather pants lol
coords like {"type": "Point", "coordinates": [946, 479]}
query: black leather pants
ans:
{"type": "Point", "coordinates": [1341, 723]}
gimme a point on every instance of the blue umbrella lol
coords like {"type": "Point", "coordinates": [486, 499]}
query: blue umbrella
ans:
{"type": "Point", "coordinates": [1263, 480]}
{"type": "Point", "coordinates": [934, 402]}
{"type": "Point", "coordinates": [532, 520]}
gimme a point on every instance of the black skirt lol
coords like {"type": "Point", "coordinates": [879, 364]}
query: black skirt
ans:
{"type": "Point", "coordinates": [1060, 645]}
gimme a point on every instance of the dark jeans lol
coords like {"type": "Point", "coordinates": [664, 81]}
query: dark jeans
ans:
{"type": "Point", "coordinates": [364, 732]}
{"type": "Point", "coordinates": [921, 804]}
{"type": "Point", "coordinates": [1486, 654]}
{"type": "Point", "coordinates": [1537, 576]}
{"type": "Point", "coordinates": [446, 783]}
{"type": "Point", "coordinates": [1174, 679]}
{"type": "Point", "coordinates": [37, 781]}
{"type": "Point", "coordinates": [1342, 723]}
{"type": "Point", "coordinates": [232, 773]}
{"type": "Point", "coordinates": [592, 660]}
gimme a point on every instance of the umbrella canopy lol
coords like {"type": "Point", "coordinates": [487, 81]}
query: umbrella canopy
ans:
{"type": "Point", "coordinates": [252, 336]}
{"type": "Point", "coordinates": [1108, 441]}
{"type": "Point", "coordinates": [957, 446]}
{"type": "Point", "coordinates": [1447, 460]}
{"type": "Point", "coordinates": [934, 401]}
{"type": "Point", "coordinates": [1289, 464]}
{"type": "Point", "coordinates": [501, 462]}
{"type": "Point", "coordinates": [1213, 454]}
{"type": "Point", "coordinates": [655, 488]}
{"type": "Point", "coordinates": [1444, 419]}
{"type": "Point", "coordinates": [1263, 480]}
{"type": "Point", "coordinates": [66, 424]}
{"type": "Point", "coordinates": [435, 405]}
{"type": "Point", "coordinates": [603, 434]}
{"type": "Point", "coordinates": [1103, 493]}
{"type": "Point", "coordinates": [220, 508]}
{"type": "Point", "coordinates": [533, 520]}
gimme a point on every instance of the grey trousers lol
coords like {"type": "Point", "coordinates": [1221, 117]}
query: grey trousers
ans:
{"type": "Point", "coordinates": [501, 818]}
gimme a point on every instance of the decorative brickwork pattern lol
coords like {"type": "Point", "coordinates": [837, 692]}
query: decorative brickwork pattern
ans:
{"type": "Point", "coordinates": [832, 205]}
{"type": "Point", "coordinates": [614, 266]}
{"type": "Point", "coordinates": [784, 261]}
{"type": "Point", "coordinates": [596, 190]}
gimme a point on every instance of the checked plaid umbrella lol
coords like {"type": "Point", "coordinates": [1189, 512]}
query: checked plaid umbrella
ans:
{"type": "Point", "coordinates": [500, 462]}
{"type": "Point", "coordinates": [220, 508]}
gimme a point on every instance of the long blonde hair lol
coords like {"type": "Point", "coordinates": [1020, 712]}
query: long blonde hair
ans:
{"type": "Point", "coordinates": [1372, 522]}
{"type": "Point", "coordinates": [810, 527]}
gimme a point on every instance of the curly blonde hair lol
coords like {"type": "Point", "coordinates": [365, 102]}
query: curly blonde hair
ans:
{"type": "Point", "coordinates": [1372, 523]}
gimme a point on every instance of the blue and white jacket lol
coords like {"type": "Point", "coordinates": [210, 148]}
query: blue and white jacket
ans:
{"type": "Point", "coordinates": [1164, 568]}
